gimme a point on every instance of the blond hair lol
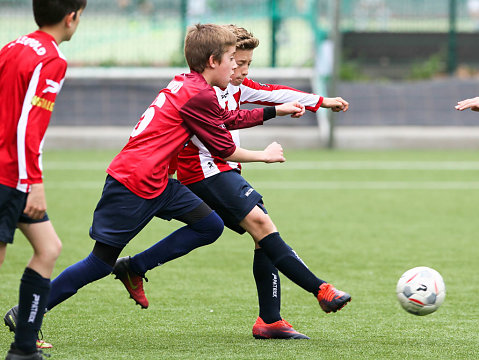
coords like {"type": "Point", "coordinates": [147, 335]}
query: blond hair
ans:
{"type": "Point", "coordinates": [244, 39]}
{"type": "Point", "coordinates": [205, 40]}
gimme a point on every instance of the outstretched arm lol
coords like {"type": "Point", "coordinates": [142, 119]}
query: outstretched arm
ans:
{"type": "Point", "coordinates": [472, 104]}
{"type": "Point", "coordinates": [336, 104]}
{"type": "Point", "coordinates": [271, 94]}
{"type": "Point", "coordinates": [271, 154]}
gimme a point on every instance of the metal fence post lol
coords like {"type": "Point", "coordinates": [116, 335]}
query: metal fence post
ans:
{"type": "Point", "coordinates": [452, 49]}
{"type": "Point", "coordinates": [275, 20]}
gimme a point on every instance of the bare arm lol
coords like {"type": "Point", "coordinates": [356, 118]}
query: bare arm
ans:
{"type": "Point", "coordinates": [472, 104]}
{"type": "Point", "coordinates": [271, 154]}
{"type": "Point", "coordinates": [36, 203]}
{"type": "Point", "coordinates": [335, 104]}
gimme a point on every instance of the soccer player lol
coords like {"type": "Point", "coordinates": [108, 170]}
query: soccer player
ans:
{"type": "Point", "coordinates": [472, 104]}
{"type": "Point", "coordinates": [32, 70]}
{"type": "Point", "coordinates": [137, 187]}
{"type": "Point", "coordinates": [220, 184]}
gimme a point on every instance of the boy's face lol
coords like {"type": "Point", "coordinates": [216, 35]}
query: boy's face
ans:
{"type": "Point", "coordinates": [243, 59]}
{"type": "Point", "coordinates": [225, 69]}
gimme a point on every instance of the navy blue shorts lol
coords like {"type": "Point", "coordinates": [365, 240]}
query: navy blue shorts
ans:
{"type": "Point", "coordinates": [230, 195]}
{"type": "Point", "coordinates": [12, 204]}
{"type": "Point", "coordinates": [120, 214]}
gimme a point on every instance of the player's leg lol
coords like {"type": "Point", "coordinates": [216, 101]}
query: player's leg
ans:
{"type": "Point", "coordinates": [119, 216]}
{"type": "Point", "coordinates": [230, 195]}
{"type": "Point", "coordinates": [203, 227]}
{"type": "Point", "coordinates": [35, 282]}
{"type": "Point", "coordinates": [260, 226]}
{"type": "Point", "coordinates": [3, 251]}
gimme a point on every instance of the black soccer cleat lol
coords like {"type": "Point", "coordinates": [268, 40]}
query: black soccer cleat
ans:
{"type": "Point", "coordinates": [15, 354]}
{"type": "Point", "coordinates": [10, 320]}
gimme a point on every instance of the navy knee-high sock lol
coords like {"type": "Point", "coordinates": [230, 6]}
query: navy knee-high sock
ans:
{"type": "Point", "coordinates": [34, 291]}
{"type": "Point", "coordinates": [268, 285]}
{"type": "Point", "coordinates": [75, 277]}
{"type": "Point", "coordinates": [179, 243]}
{"type": "Point", "coordinates": [289, 263]}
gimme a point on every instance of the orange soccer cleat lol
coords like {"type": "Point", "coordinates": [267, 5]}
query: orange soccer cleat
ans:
{"type": "Point", "coordinates": [330, 299]}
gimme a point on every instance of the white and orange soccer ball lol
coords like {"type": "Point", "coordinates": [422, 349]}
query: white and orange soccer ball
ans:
{"type": "Point", "coordinates": [421, 290]}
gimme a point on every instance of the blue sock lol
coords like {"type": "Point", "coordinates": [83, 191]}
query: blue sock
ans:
{"type": "Point", "coordinates": [34, 291]}
{"type": "Point", "coordinates": [289, 263]}
{"type": "Point", "coordinates": [75, 277]}
{"type": "Point", "coordinates": [179, 243]}
{"type": "Point", "coordinates": [268, 286]}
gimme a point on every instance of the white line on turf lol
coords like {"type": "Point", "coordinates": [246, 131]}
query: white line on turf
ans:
{"type": "Point", "coordinates": [307, 165]}
{"type": "Point", "coordinates": [313, 185]}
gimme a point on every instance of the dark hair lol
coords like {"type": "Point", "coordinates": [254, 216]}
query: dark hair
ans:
{"type": "Point", "coordinates": [51, 12]}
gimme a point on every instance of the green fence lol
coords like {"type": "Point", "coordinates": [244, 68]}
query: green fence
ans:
{"type": "Point", "coordinates": [150, 32]}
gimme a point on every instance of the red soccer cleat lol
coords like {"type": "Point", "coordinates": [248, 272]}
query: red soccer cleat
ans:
{"type": "Point", "coordinates": [280, 329]}
{"type": "Point", "coordinates": [132, 281]}
{"type": "Point", "coordinates": [330, 299]}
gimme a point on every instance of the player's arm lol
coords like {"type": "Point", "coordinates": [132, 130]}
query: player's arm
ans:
{"type": "Point", "coordinates": [472, 104]}
{"type": "Point", "coordinates": [233, 120]}
{"type": "Point", "coordinates": [50, 77]}
{"type": "Point", "coordinates": [205, 118]}
{"type": "Point", "coordinates": [272, 94]}
{"type": "Point", "coordinates": [273, 153]}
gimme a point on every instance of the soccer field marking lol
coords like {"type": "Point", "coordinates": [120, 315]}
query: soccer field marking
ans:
{"type": "Point", "coordinates": [369, 165]}
{"type": "Point", "coordinates": [368, 185]}
{"type": "Point", "coordinates": [306, 165]}
{"type": "Point", "coordinates": [312, 185]}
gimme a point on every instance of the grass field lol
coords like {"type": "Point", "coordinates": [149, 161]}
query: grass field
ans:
{"type": "Point", "coordinates": [358, 219]}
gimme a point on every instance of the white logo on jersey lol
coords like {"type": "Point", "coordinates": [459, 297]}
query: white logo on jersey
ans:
{"type": "Point", "coordinates": [174, 86]}
{"type": "Point", "coordinates": [248, 193]}
{"type": "Point", "coordinates": [53, 87]}
{"type": "Point", "coordinates": [33, 43]}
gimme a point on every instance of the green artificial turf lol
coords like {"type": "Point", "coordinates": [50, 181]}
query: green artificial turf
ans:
{"type": "Point", "coordinates": [357, 219]}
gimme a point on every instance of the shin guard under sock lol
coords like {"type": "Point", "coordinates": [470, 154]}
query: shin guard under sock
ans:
{"type": "Point", "coordinates": [75, 277]}
{"type": "Point", "coordinates": [178, 243]}
{"type": "Point", "coordinates": [34, 290]}
{"type": "Point", "coordinates": [289, 263]}
{"type": "Point", "coordinates": [268, 286]}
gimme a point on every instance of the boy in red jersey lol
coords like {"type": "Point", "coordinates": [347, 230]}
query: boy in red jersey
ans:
{"type": "Point", "coordinates": [138, 188]}
{"type": "Point", "coordinates": [220, 185]}
{"type": "Point", "coordinates": [32, 70]}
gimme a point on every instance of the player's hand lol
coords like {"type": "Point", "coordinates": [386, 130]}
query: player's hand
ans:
{"type": "Point", "coordinates": [336, 104]}
{"type": "Point", "coordinates": [274, 153]}
{"type": "Point", "coordinates": [36, 203]}
{"type": "Point", "coordinates": [294, 108]}
{"type": "Point", "coordinates": [472, 104]}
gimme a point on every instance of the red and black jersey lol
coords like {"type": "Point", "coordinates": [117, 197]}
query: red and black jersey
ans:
{"type": "Point", "coordinates": [196, 163]}
{"type": "Point", "coordinates": [187, 107]}
{"type": "Point", "coordinates": [32, 70]}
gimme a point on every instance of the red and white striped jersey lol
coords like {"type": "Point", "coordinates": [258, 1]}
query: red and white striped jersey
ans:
{"type": "Point", "coordinates": [32, 70]}
{"type": "Point", "coordinates": [188, 106]}
{"type": "Point", "coordinates": [196, 163]}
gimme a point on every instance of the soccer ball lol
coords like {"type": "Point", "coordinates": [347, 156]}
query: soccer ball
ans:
{"type": "Point", "coordinates": [421, 290]}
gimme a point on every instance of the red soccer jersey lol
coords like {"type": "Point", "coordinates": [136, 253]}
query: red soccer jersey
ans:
{"type": "Point", "coordinates": [32, 70]}
{"type": "Point", "coordinates": [188, 106]}
{"type": "Point", "coordinates": [196, 163]}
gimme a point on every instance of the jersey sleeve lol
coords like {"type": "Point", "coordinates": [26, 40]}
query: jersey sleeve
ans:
{"type": "Point", "coordinates": [269, 94]}
{"type": "Point", "coordinates": [50, 80]}
{"type": "Point", "coordinates": [206, 119]}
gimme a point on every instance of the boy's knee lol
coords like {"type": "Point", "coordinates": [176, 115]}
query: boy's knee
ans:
{"type": "Point", "coordinates": [50, 252]}
{"type": "Point", "coordinates": [211, 227]}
